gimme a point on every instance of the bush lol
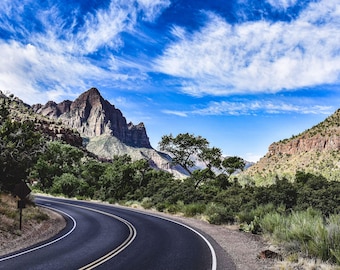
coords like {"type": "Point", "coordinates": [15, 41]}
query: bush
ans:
{"type": "Point", "coordinates": [272, 224]}
{"type": "Point", "coordinates": [146, 203]}
{"type": "Point", "coordinates": [219, 214]}
{"type": "Point", "coordinates": [333, 231]}
{"type": "Point", "coordinates": [194, 209]}
{"type": "Point", "coordinates": [306, 232]}
{"type": "Point", "coordinates": [69, 185]}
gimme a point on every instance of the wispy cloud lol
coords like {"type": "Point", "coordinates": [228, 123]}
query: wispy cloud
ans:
{"type": "Point", "coordinates": [152, 8]}
{"type": "Point", "coordinates": [282, 4]}
{"type": "Point", "coordinates": [257, 56]}
{"type": "Point", "coordinates": [177, 113]}
{"type": "Point", "coordinates": [57, 58]}
{"type": "Point", "coordinates": [253, 108]}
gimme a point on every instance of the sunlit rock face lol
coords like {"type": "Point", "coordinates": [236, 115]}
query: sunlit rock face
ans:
{"type": "Point", "coordinates": [91, 115]}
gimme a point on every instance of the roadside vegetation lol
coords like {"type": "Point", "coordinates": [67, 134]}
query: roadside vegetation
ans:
{"type": "Point", "coordinates": [9, 216]}
{"type": "Point", "coordinates": [302, 215]}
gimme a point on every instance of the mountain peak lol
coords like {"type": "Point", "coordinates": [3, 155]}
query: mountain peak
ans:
{"type": "Point", "coordinates": [91, 97]}
{"type": "Point", "coordinates": [93, 92]}
{"type": "Point", "coordinates": [93, 116]}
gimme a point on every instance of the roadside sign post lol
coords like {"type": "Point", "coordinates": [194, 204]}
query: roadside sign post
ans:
{"type": "Point", "coordinates": [22, 191]}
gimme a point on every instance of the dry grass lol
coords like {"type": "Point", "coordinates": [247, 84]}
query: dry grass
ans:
{"type": "Point", "coordinates": [37, 225]}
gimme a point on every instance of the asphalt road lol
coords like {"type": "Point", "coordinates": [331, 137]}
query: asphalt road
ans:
{"type": "Point", "coordinates": [102, 236]}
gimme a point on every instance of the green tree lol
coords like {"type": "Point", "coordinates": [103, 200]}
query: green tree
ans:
{"type": "Point", "coordinates": [232, 164]}
{"type": "Point", "coordinates": [187, 149]}
{"type": "Point", "coordinates": [141, 168]}
{"type": "Point", "coordinates": [69, 185]}
{"type": "Point", "coordinates": [91, 171]}
{"type": "Point", "coordinates": [20, 146]}
{"type": "Point", "coordinates": [58, 158]}
{"type": "Point", "coordinates": [118, 180]}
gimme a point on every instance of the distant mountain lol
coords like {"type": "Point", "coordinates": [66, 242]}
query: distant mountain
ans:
{"type": "Point", "coordinates": [316, 150]}
{"type": "Point", "coordinates": [105, 130]}
{"type": "Point", "coordinates": [49, 128]}
{"type": "Point", "coordinates": [91, 115]}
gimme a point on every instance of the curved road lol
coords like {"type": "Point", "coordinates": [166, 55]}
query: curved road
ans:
{"type": "Point", "coordinates": [102, 236]}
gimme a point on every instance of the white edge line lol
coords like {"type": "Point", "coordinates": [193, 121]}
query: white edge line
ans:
{"type": "Point", "coordinates": [213, 253]}
{"type": "Point", "coordinates": [46, 244]}
{"type": "Point", "coordinates": [113, 253]}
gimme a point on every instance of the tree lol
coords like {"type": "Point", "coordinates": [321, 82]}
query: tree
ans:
{"type": "Point", "coordinates": [118, 179]}
{"type": "Point", "coordinates": [58, 158]}
{"type": "Point", "coordinates": [20, 146]}
{"type": "Point", "coordinates": [70, 185]}
{"type": "Point", "coordinates": [186, 149]}
{"type": "Point", "coordinates": [211, 157]}
{"type": "Point", "coordinates": [232, 164]}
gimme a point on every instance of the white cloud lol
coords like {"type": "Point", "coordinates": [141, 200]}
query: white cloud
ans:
{"type": "Point", "coordinates": [260, 56]}
{"type": "Point", "coordinates": [53, 63]}
{"type": "Point", "coordinates": [282, 4]}
{"type": "Point", "coordinates": [104, 27]}
{"type": "Point", "coordinates": [152, 8]}
{"type": "Point", "coordinates": [178, 113]}
{"type": "Point", "coordinates": [26, 70]}
{"type": "Point", "coordinates": [254, 108]}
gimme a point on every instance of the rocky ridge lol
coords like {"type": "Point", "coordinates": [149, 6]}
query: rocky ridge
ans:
{"type": "Point", "coordinates": [105, 130]}
{"type": "Point", "coordinates": [91, 115]}
{"type": "Point", "coordinates": [316, 150]}
{"type": "Point", "coordinates": [51, 129]}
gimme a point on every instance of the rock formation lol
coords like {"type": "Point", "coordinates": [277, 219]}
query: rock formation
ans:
{"type": "Point", "coordinates": [91, 115]}
{"type": "Point", "coordinates": [49, 128]}
{"type": "Point", "coordinates": [316, 150]}
{"type": "Point", "coordinates": [105, 130]}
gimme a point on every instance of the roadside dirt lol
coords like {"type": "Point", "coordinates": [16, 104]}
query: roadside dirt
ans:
{"type": "Point", "coordinates": [32, 233]}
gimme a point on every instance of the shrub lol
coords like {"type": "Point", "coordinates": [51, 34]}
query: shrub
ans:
{"type": "Point", "coordinates": [69, 185]}
{"type": "Point", "coordinates": [219, 214]}
{"type": "Point", "coordinates": [194, 209]}
{"type": "Point", "coordinates": [273, 223]}
{"type": "Point", "coordinates": [306, 232]}
{"type": "Point", "coordinates": [333, 230]}
{"type": "Point", "coordinates": [146, 203]}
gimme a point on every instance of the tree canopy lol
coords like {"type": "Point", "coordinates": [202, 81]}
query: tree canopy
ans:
{"type": "Point", "coordinates": [185, 149]}
{"type": "Point", "coordinates": [20, 146]}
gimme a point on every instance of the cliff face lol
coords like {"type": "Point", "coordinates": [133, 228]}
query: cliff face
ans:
{"type": "Point", "coordinates": [316, 150]}
{"type": "Point", "coordinates": [318, 143]}
{"type": "Point", "coordinates": [91, 115]}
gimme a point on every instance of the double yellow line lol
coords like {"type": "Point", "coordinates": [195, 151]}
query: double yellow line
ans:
{"type": "Point", "coordinates": [117, 250]}
{"type": "Point", "coordinates": [132, 235]}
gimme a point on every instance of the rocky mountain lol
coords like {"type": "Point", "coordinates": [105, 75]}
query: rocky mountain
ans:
{"type": "Point", "coordinates": [106, 146]}
{"type": "Point", "coordinates": [316, 150]}
{"type": "Point", "coordinates": [52, 130]}
{"type": "Point", "coordinates": [91, 115]}
{"type": "Point", "coordinates": [105, 130]}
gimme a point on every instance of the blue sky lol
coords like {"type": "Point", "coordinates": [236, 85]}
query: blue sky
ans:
{"type": "Point", "coordinates": [242, 73]}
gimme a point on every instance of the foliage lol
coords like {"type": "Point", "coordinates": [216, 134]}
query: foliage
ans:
{"type": "Point", "coordinates": [219, 214]}
{"type": "Point", "coordinates": [69, 184]}
{"type": "Point", "coordinates": [282, 210]}
{"type": "Point", "coordinates": [185, 148]}
{"type": "Point", "coordinates": [306, 232]}
{"type": "Point", "coordinates": [20, 146]}
{"type": "Point", "coordinates": [57, 159]}
{"type": "Point", "coordinates": [231, 164]}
